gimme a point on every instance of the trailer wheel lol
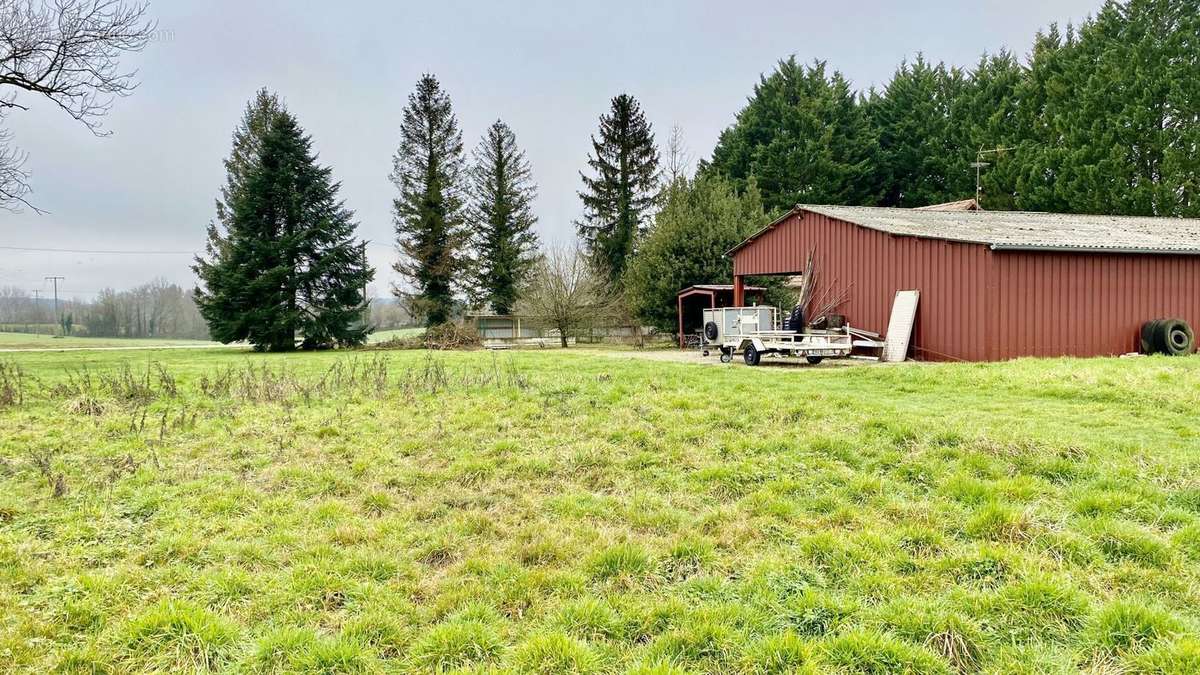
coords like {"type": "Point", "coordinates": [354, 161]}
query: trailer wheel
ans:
{"type": "Point", "coordinates": [711, 331]}
{"type": "Point", "coordinates": [726, 355]}
{"type": "Point", "coordinates": [751, 356]}
{"type": "Point", "coordinates": [814, 359]}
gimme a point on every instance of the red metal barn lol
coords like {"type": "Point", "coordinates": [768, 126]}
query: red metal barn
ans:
{"type": "Point", "coordinates": [994, 285]}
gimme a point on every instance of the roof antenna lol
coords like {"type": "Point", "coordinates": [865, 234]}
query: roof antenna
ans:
{"type": "Point", "coordinates": [980, 164]}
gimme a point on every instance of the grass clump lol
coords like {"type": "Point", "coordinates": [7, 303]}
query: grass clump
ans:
{"type": "Point", "coordinates": [814, 613]}
{"type": "Point", "coordinates": [871, 653]}
{"type": "Point", "coordinates": [1122, 541]}
{"type": "Point", "coordinates": [997, 521]}
{"type": "Point", "coordinates": [1127, 626]}
{"type": "Point", "coordinates": [782, 654]}
{"type": "Point", "coordinates": [627, 561]}
{"type": "Point", "coordinates": [703, 646]}
{"type": "Point", "coordinates": [1168, 658]}
{"type": "Point", "coordinates": [555, 653]}
{"type": "Point", "coordinates": [179, 636]}
{"type": "Point", "coordinates": [1039, 609]}
{"type": "Point", "coordinates": [457, 644]}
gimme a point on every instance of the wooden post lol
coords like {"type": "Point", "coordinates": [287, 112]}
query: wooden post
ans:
{"type": "Point", "coordinates": [679, 311]}
{"type": "Point", "coordinates": [739, 291]}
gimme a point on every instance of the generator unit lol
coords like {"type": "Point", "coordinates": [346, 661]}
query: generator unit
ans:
{"type": "Point", "coordinates": [721, 323]}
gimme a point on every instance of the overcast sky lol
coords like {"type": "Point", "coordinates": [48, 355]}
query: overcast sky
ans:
{"type": "Point", "coordinates": [547, 68]}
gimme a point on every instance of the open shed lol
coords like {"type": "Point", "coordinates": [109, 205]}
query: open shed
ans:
{"type": "Point", "coordinates": [693, 300]}
{"type": "Point", "coordinates": [994, 285]}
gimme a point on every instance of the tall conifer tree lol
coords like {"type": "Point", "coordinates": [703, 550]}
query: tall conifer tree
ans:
{"type": "Point", "coordinates": [618, 197]}
{"type": "Point", "coordinates": [803, 137]}
{"type": "Point", "coordinates": [923, 153]}
{"type": "Point", "coordinates": [284, 267]}
{"type": "Point", "coordinates": [502, 213]}
{"type": "Point", "coordinates": [431, 234]}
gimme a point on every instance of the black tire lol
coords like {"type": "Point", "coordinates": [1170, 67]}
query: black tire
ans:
{"type": "Point", "coordinates": [1176, 337]}
{"type": "Point", "coordinates": [814, 359]}
{"type": "Point", "coordinates": [726, 355]}
{"type": "Point", "coordinates": [711, 331]}
{"type": "Point", "coordinates": [1173, 337]}
{"type": "Point", "coordinates": [1148, 342]}
{"type": "Point", "coordinates": [796, 320]}
{"type": "Point", "coordinates": [751, 356]}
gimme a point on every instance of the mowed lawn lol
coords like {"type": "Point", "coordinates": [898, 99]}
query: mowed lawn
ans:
{"type": "Point", "coordinates": [213, 510]}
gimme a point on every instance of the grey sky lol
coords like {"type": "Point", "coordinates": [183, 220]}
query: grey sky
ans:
{"type": "Point", "coordinates": [346, 68]}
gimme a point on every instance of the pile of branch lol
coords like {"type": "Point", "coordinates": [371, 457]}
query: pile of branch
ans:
{"type": "Point", "coordinates": [816, 302]}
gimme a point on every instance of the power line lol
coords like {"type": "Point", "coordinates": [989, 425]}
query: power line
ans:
{"type": "Point", "coordinates": [33, 249]}
{"type": "Point", "coordinates": [79, 250]}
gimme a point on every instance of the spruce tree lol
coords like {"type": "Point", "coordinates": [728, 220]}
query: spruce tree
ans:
{"type": "Point", "coordinates": [803, 137]}
{"type": "Point", "coordinates": [617, 199]}
{"type": "Point", "coordinates": [924, 156]}
{"type": "Point", "coordinates": [284, 266]}
{"type": "Point", "coordinates": [431, 235]}
{"type": "Point", "coordinates": [502, 213]}
{"type": "Point", "coordinates": [986, 115]}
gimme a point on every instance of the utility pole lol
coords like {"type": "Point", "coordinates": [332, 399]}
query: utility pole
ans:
{"type": "Point", "coordinates": [37, 303]}
{"type": "Point", "coordinates": [56, 280]}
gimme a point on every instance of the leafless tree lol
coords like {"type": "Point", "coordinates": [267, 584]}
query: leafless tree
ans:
{"type": "Point", "coordinates": [678, 160]}
{"type": "Point", "coordinates": [567, 293]}
{"type": "Point", "coordinates": [66, 51]}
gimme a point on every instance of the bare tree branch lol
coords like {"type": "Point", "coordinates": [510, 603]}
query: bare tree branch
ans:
{"type": "Point", "coordinates": [67, 51]}
{"type": "Point", "coordinates": [567, 293]}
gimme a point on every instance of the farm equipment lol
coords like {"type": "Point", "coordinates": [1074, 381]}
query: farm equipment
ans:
{"type": "Point", "coordinates": [758, 331]}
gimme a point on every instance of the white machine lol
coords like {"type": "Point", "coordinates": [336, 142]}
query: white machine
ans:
{"type": "Point", "coordinates": [755, 331]}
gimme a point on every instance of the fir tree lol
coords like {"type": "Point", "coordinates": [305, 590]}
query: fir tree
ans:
{"type": "Point", "coordinates": [285, 264]}
{"type": "Point", "coordinates": [987, 114]}
{"type": "Point", "coordinates": [618, 197]}
{"type": "Point", "coordinates": [924, 156]}
{"type": "Point", "coordinates": [803, 137]}
{"type": "Point", "coordinates": [256, 121]}
{"type": "Point", "coordinates": [431, 236]}
{"type": "Point", "coordinates": [502, 211]}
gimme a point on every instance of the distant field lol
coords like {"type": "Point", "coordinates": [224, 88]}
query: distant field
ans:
{"type": "Point", "coordinates": [553, 511]}
{"type": "Point", "coordinates": [395, 334]}
{"type": "Point", "coordinates": [34, 341]}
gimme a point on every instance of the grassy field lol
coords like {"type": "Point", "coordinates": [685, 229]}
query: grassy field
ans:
{"type": "Point", "coordinates": [394, 334]}
{"type": "Point", "coordinates": [45, 341]}
{"type": "Point", "coordinates": [210, 510]}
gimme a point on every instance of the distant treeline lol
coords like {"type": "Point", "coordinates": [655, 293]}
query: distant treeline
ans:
{"type": "Point", "coordinates": [1104, 118]}
{"type": "Point", "coordinates": [156, 309]}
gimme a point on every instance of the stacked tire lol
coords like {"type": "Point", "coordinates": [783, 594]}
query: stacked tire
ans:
{"type": "Point", "coordinates": [1173, 337]}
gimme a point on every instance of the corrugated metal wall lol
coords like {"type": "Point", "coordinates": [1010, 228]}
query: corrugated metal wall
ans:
{"type": "Point", "coordinates": [1087, 304]}
{"type": "Point", "coordinates": [977, 304]}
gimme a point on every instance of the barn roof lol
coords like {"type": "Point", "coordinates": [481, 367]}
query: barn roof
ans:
{"type": "Point", "coordinates": [1022, 230]}
{"type": "Point", "coordinates": [718, 288]}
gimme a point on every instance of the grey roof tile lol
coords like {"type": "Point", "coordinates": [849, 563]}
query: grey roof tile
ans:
{"type": "Point", "coordinates": [1023, 229]}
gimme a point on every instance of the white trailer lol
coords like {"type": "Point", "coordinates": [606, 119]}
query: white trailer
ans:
{"type": "Point", "coordinates": [756, 331]}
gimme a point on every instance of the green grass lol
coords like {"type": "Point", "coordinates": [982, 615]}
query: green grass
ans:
{"type": "Point", "coordinates": [218, 510]}
{"type": "Point", "coordinates": [45, 341]}
{"type": "Point", "coordinates": [394, 334]}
